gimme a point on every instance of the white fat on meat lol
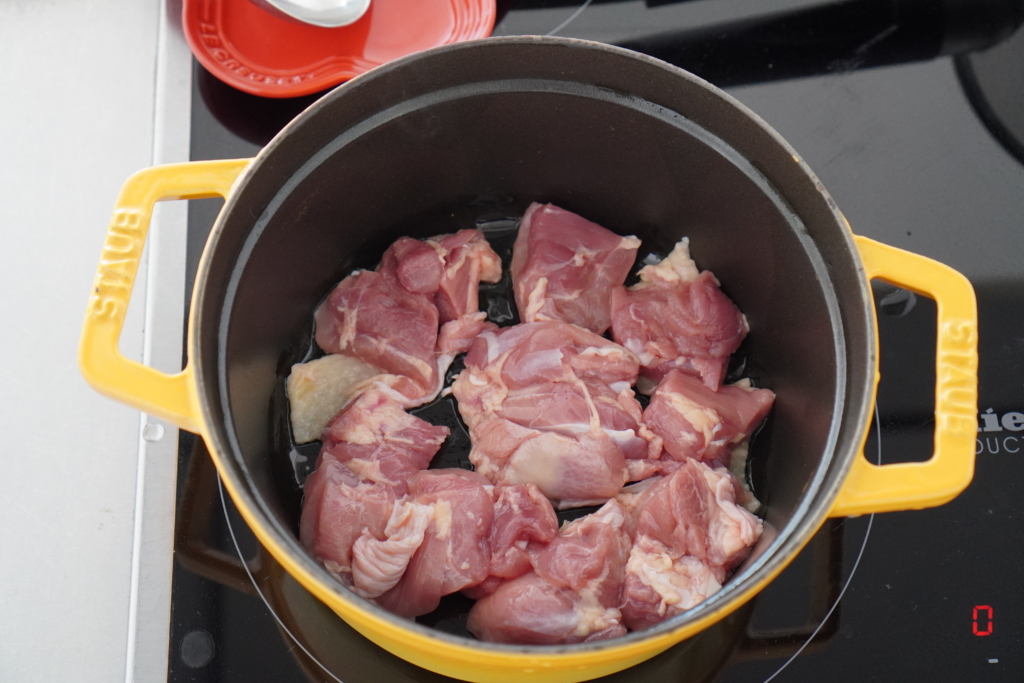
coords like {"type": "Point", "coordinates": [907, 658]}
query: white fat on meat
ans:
{"type": "Point", "coordinates": [678, 583]}
{"type": "Point", "coordinates": [733, 530]}
{"type": "Point", "coordinates": [319, 389]}
{"type": "Point", "coordinates": [690, 534]}
{"type": "Point", "coordinates": [705, 421]}
{"type": "Point", "coordinates": [676, 267]}
{"type": "Point", "coordinates": [592, 617]}
{"type": "Point", "coordinates": [377, 565]}
{"type": "Point", "coordinates": [454, 552]}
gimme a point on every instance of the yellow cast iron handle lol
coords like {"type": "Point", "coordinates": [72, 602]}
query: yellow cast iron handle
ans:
{"type": "Point", "coordinates": [170, 397]}
{"type": "Point", "coordinates": [916, 485]}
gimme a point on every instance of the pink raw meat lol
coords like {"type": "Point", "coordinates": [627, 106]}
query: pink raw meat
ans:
{"type": "Point", "coordinates": [690, 534]}
{"type": "Point", "coordinates": [659, 586]}
{"type": "Point", "coordinates": [338, 507]}
{"type": "Point", "coordinates": [572, 595]}
{"type": "Point", "coordinates": [389, 318]}
{"type": "Point", "coordinates": [581, 469]}
{"type": "Point", "coordinates": [574, 409]}
{"type": "Point", "coordinates": [696, 422]}
{"type": "Point", "coordinates": [564, 267]}
{"type": "Point", "coordinates": [375, 438]}
{"type": "Point", "coordinates": [533, 353]}
{"type": "Point", "coordinates": [523, 519]}
{"type": "Point", "coordinates": [454, 552]}
{"type": "Point", "coordinates": [457, 335]}
{"type": "Point", "coordinates": [549, 403]}
{"type": "Point", "coordinates": [677, 319]}
{"type": "Point", "coordinates": [468, 260]}
{"type": "Point", "coordinates": [379, 560]}
{"type": "Point", "coordinates": [414, 264]}
{"type": "Point", "coordinates": [375, 319]}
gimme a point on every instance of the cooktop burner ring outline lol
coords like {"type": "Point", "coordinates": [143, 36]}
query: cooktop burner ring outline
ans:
{"type": "Point", "coordinates": [853, 569]}
{"type": "Point", "coordinates": [245, 565]}
{"type": "Point", "coordinates": [572, 18]}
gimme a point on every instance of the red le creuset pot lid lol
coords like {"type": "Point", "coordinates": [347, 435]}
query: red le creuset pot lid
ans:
{"type": "Point", "coordinates": [264, 53]}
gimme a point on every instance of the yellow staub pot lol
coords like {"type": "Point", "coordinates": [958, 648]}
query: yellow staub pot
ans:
{"type": "Point", "coordinates": [470, 133]}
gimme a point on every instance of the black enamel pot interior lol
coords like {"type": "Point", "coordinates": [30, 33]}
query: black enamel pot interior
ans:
{"type": "Point", "coordinates": [469, 135]}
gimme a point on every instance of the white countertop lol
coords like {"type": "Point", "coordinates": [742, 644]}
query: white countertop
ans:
{"type": "Point", "coordinates": [90, 91]}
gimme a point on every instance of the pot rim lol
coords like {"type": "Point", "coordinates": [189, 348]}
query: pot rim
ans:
{"type": "Point", "coordinates": [809, 515]}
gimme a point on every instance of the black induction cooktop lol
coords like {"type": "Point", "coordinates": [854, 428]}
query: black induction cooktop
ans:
{"type": "Point", "coordinates": [909, 112]}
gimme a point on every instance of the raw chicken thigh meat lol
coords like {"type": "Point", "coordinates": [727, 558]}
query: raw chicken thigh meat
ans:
{"type": "Point", "coordinates": [695, 422]}
{"type": "Point", "coordinates": [375, 319]}
{"type": "Point", "coordinates": [468, 260]}
{"type": "Point", "coordinates": [384, 525]}
{"type": "Point", "coordinates": [564, 268]}
{"type": "Point", "coordinates": [573, 592]}
{"type": "Point", "coordinates": [456, 509]}
{"type": "Point", "coordinates": [690, 533]}
{"type": "Point", "coordinates": [523, 521]}
{"type": "Point", "coordinates": [338, 507]}
{"type": "Point", "coordinates": [370, 450]}
{"type": "Point", "coordinates": [375, 438]}
{"type": "Point", "coordinates": [553, 421]}
{"type": "Point", "coordinates": [675, 318]}
{"type": "Point", "coordinates": [389, 318]}
{"type": "Point", "coordinates": [550, 404]}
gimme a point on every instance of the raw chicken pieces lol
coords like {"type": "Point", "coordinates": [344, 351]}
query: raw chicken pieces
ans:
{"type": "Point", "coordinates": [389, 318]}
{"type": "Point", "coordinates": [382, 524]}
{"type": "Point", "coordinates": [380, 442]}
{"type": "Point", "coordinates": [573, 592]}
{"type": "Point", "coordinates": [468, 260]}
{"type": "Point", "coordinates": [370, 450]}
{"type": "Point", "coordinates": [549, 404]}
{"type": "Point", "coordinates": [689, 534]}
{"type": "Point", "coordinates": [696, 422]}
{"type": "Point", "coordinates": [454, 552]}
{"type": "Point", "coordinates": [375, 319]}
{"type": "Point", "coordinates": [552, 417]}
{"type": "Point", "coordinates": [523, 521]}
{"type": "Point", "coordinates": [675, 318]}
{"type": "Point", "coordinates": [564, 267]}
{"type": "Point", "coordinates": [338, 507]}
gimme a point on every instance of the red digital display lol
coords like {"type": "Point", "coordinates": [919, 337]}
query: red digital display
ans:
{"type": "Point", "coordinates": [982, 616]}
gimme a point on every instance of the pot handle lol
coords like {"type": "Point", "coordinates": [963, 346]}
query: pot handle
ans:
{"type": "Point", "coordinates": [915, 485]}
{"type": "Point", "coordinates": [170, 397]}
